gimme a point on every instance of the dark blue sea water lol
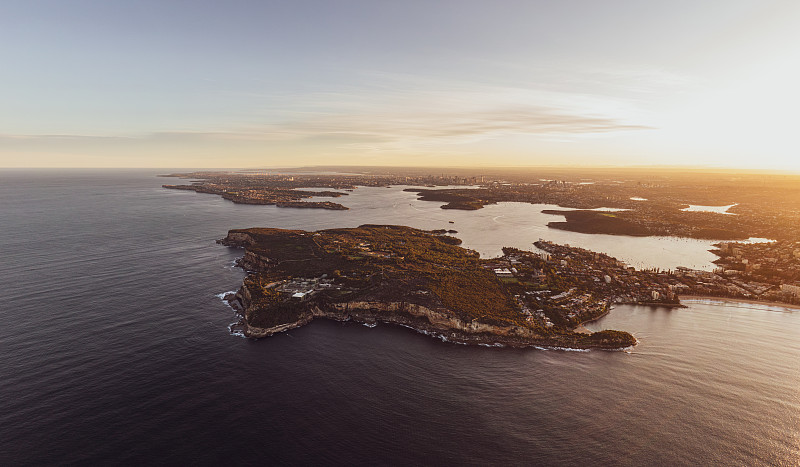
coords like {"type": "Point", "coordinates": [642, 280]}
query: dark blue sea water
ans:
{"type": "Point", "coordinates": [115, 349]}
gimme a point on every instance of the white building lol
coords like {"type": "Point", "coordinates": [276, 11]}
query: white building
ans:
{"type": "Point", "coordinates": [303, 296]}
{"type": "Point", "coordinates": [503, 272]}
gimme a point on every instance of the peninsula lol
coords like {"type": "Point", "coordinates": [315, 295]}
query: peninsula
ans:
{"type": "Point", "coordinates": [422, 280]}
{"type": "Point", "coordinates": [252, 189]}
{"type": "Point", "coordinates": [426, 281]}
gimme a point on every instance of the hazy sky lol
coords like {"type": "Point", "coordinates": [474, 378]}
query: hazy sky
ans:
{"type": "Point", "coordinates": [284, 83]}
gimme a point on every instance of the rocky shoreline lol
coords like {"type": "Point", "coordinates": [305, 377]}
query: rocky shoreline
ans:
{"type": "Point", "coordinates": [436, 323]}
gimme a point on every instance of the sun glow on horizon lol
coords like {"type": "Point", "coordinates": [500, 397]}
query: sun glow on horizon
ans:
{"type": "Point", "coordinates": [679, 85]}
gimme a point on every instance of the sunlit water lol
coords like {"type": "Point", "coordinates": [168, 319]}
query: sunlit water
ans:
{"type": "Point", "coordinates": [115, 349]}
{"type": "Point", "coordinates": [489, 229]}
{"type": "Point", "coordinates": [717, 209]}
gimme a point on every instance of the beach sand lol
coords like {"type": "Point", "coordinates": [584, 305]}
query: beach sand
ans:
{"type": "Point", "coordinates": [704, 298]}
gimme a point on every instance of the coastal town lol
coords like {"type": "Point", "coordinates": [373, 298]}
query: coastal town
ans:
{"type": "Point", "coordinates": [767, 271]}
{"type": "Point", "coordinates": [756, 271]}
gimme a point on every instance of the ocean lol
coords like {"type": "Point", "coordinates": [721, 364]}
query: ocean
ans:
{"type": "Point", "coordinates": [115, 348]}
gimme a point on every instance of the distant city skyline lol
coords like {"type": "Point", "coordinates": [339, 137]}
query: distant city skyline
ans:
{"type": "Point", "coordinates": [448, 83]}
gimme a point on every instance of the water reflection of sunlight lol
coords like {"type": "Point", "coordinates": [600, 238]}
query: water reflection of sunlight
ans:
{"type": "Point", "coordinates": [716, 209]}
{"type": "Point", "coordinates": [494, 226]}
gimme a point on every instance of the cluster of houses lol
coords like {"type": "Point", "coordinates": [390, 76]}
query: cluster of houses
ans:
{"type": "Point", "coordinates": [303, 289]}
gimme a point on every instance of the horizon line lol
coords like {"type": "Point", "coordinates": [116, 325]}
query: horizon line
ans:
{"type": "Point", "coordinates": [692, 168]}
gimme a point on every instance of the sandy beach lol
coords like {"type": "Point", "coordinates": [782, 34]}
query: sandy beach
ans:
{"type": "Point", "coordinates": [703, 298]}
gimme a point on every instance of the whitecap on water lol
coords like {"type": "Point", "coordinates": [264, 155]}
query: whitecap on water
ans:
{"type": "Point", "coordinates": [563, 349]}
{"type": "Point", "coordinates": [236, 332]}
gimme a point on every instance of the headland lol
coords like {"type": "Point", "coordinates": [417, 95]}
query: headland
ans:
{"type": "Point", "coordinates": [419, 279]}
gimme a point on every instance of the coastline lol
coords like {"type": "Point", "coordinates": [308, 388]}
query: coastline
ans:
{"type": "Point", "coordinates": [700, 298]}
{"type": "Point", "coordinates": [581, 329]}
{"type": "Point", "coordinates": [420, 319]}
{"type": "Point", "coordinates": [655, 304]}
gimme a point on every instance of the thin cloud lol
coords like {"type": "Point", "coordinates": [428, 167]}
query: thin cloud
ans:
{"type": "Point", "coordinates": [455, 127]}
{"type": "Point", "coordinates": [441, 126]}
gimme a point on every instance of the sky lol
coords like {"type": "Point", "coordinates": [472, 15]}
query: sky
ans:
{"type": "Point", "coordinates": [196, 84]}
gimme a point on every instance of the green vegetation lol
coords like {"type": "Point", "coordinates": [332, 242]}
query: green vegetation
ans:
{"type": "Point", "coordinates": [295, 270]}
{"type": "Point", "coordinates": [608, 336]}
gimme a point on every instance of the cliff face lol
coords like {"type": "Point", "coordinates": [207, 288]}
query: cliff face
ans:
{"type": "Point", "coordinates": [251, 261]}
{"type": "Point", "coordinates": [440, 323]}
{"type": "Point", "coordinates": [237, 239]}
{"type": "Point", "coordinates": [443, 320]}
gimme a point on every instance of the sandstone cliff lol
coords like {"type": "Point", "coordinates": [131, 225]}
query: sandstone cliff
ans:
{"type": "Point", "coordinates": [440, 323]}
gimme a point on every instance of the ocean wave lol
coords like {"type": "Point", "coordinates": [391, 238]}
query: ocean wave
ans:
{"type": "Point", "coordinates": [222, 295]}
{"type": "Point", "coordinates": [236, 332]}
{"type": "Point", "coordinates": [563, 349]}
{"type": "Point", "coordinates": [231, 327]}
{"type": "Point", "coordinates": [440, 336]}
